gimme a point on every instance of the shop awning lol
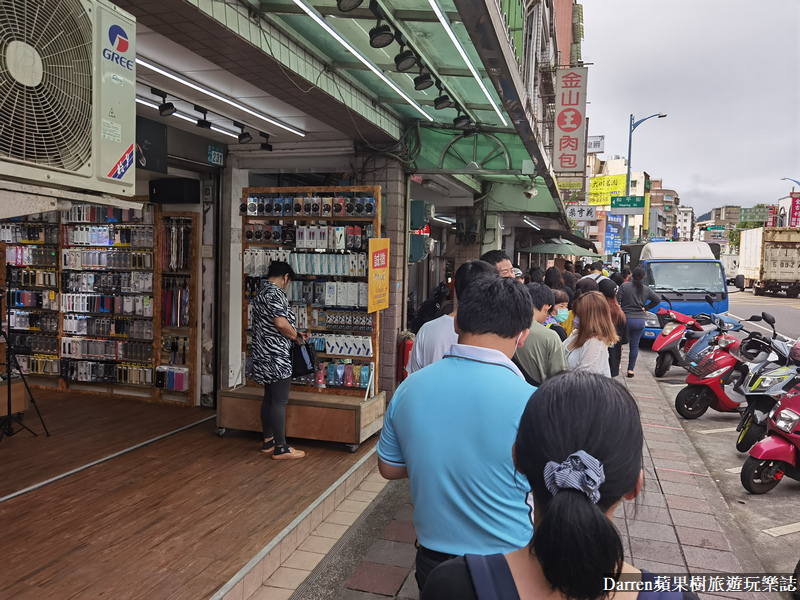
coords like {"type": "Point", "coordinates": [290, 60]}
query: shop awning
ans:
{"type": "Point", "coordinates": [559, 248]}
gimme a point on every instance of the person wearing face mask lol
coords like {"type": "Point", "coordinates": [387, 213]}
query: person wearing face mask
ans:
{"type": "Point", "coordinates": [273, 335]}
{"type": "Point", "coordinates": [542, 354]}
{"type": "Point", "coordinates": [558, 314]}
{"type": "Point", "coordinates": [448, 425]}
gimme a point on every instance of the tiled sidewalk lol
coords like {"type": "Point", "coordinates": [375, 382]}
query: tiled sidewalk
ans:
{"type": "Point", "coordinates": [679, 524]}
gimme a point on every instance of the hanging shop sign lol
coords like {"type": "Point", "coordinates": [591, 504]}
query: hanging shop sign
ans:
{"type": "Point", "coordinates": [570, 122]}
{"type": "Point", "coordinates": [596, 144]}
{"type": "Point", "coordinates": [794, 215]}
{"type": "Point", "coordinates": [602, 188]}
{"type": "Point", "coordinates": [378, 274]}
{"type": "Point", "coordinates": [771, 213]}
{"type": "Point", "coordinates": [582, 212]}
{"type": "Point", "coordinates": [570, 185]}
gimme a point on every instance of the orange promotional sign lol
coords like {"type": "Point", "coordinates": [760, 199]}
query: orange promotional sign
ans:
{"type": "Point", "coordinates": [378, 274]}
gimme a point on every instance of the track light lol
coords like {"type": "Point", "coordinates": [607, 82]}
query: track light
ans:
{"type": "Point", "coordinates": [165, 109]}
{"type": "Point", "coordinates": [202, 123]}
{"type": "Point", "coordinates": [422, 81]}
{"type": "Point", "coordinates": [265, 145]}
{"type": "Point", "coordinates": [381, 35]}
{"type": "Point", "coordinates": [405, 59]}
{"type": "Point", "coordinates": [244, 136]}
{"type": "Point", "coordinates": [443, 101]}
{"type": "Point", "coordinates": [461, 121]}
{"type": "Point", "coordinates": [348, 5]}
{"type": "Point", "coordinates": [184, 117]}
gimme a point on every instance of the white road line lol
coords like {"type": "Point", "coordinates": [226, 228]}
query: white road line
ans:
{"type": "Point", "coordinates": [783, 529]}
{"type": "Point", "coordinates": [751, 324]}
{"type": "Point", "coordinates": [721, 430]}
{"type": "Point", "coordinates": [734, 470]}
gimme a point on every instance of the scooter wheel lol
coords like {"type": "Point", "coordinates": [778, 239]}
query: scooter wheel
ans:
{"type": "Point", "coordinates": [751, 433]}
{"type": "Point", "coordinates": [693, 401]}
{"type": "Point", "coordinates": [663, 363]}
{"type": "Point", "coordinates": [752, 476]}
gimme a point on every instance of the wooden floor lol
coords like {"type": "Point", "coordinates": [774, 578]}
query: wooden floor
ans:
{"type": "Point", "coordinates": [174, 519]}
{"type": "Point", "coordinates": [83, 429]}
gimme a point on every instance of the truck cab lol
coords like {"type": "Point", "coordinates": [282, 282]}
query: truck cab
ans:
{"type": "Point", "coordinates": [684, 273]}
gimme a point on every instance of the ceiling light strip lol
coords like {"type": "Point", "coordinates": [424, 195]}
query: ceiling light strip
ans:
{"type": "Point", "coordinates": [321, 22]}
{"type": "Point", "coordinates": [217, 96]}
{"type": "Point", "coordinates": [446, 24]}
{"type": "Point", "coordinates": [187, 118]}
{"type": "Point", "coordinates": [531, 223]}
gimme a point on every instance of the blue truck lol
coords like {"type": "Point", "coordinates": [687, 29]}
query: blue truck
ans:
{"type": "Point", "coordinates": [685, 273]}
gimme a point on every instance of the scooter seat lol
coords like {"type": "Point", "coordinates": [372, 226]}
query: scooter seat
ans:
{"type": "Point", "coordinates": [695, 335]}
{"type": "Point", "coordinates": [709, 327]}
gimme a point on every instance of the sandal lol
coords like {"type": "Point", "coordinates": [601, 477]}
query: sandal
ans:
{"type": "Point", "coordinates": [630, 373]}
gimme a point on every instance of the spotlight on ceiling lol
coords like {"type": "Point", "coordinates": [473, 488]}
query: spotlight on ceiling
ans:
{"type": "Point", "coordinates": [381, 35]}
{"type": "Point", "coordinates": [165, 109]}
{"type": "Point", "coordinates": [265, 145]}
{"type": "Point", "coordinates": [405, 59]}
{"type": "Point", "coordinates": [442, 101]}
{"type": "Point", "coordinates": [244, 136]}
{"type": "Point", "coordinates": [202, 123]}
{"type": "Point", "coordinates": [348, 5]}
{"type": "Point", "coordinates": [461, 121]}
{"type": "Point", "coordinates": [423, 81]}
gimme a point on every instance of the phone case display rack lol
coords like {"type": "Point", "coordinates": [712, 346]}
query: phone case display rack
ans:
{"type": "Point", "coordinates": [88, 288]}
{"type": "Point", "coordinates": [323, 233]}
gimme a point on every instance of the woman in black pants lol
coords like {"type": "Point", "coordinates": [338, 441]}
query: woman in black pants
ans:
{"type": "Point", "coordinates": [273, 336]}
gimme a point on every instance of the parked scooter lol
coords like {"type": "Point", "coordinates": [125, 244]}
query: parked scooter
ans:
{"type": "Point", "coordinates": [683, 339]}
{"type": "Point", "coordinates": [776, 374]}
{"type": "Point", "coordinates": [719, 370]}
{"type": "Point", "coordinates": [777, 455]}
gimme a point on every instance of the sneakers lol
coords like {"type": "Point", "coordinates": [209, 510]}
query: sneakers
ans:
{"type": "Point", "coordinates": [268, 446]}
{"type": "Point", "coordinates": [287, 453]}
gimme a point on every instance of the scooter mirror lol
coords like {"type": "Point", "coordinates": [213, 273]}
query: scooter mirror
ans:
{"type": "Point", "coordinates": [768, 318]}
{"type": "Point", "coordinates": [665, 299]}
{"type": "Point", "coordinates": [754, 318]}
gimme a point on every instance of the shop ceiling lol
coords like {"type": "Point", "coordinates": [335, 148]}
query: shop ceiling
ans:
{"type": "Point", "coordinates": [279, 58]}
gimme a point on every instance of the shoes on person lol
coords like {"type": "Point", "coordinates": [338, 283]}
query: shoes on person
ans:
{"type": "Point", "coordinates": [287, 453]}
{"type": "Point", "coordinates": [630, 373]}
{"type": "Point", "coordinates": [268, 446]}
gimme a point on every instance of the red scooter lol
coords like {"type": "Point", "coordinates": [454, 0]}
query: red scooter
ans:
{"type": "Point", "coordinates": [720, 369]}
{"type": "Point", "coordinates": [677, 338]}
{"type": "Point", "coordinates": [777, 455]}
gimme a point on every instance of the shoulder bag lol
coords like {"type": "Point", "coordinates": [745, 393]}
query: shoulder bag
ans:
{"type": "Point", "coordinates": [304, 360]}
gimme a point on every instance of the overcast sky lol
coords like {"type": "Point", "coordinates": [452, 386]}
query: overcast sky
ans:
{"type": "Point", "coordinates": [727, 73]}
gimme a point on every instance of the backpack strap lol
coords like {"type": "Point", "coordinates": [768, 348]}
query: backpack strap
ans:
{"type": "Point", "coordinates": [491, 577]}
{"type": "Point", "coordinates": [525, 374]}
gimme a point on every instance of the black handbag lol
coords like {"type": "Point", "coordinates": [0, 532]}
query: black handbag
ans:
{"type": "Point", "coordinates": [304, 360]}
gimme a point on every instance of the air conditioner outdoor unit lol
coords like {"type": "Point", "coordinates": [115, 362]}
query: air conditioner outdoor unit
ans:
{"type": "Point", "coordinates": [67, 95]}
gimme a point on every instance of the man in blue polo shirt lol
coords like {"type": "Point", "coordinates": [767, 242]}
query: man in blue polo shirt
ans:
{"type": "Point", "coordinates": [450, 426]}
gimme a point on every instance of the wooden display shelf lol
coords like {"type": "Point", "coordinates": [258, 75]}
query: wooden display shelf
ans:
{"type": "Point", "coordinates": [309, 415]}
{"type": "Point", "coordinates": [20, 402]}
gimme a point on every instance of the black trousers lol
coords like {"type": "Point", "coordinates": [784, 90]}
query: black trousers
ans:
{"type": "Point", "coordinates": [273, 410]}
{"type": "Point", "coordinates": [426, 562]}
{"type": "Point", "coordinates": [615, 358]}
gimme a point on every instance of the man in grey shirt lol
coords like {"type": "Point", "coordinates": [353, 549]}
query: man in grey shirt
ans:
{"type": "Point", "coordinates": [542, 355]}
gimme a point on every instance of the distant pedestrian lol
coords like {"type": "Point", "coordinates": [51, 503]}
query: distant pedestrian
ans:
{"type": "Point", "coordinates": [636, 299]}
{"type": "Point", "coordinates": [569, 266]}
{"type": "Point", "coordinates": [596, 271]}
{"type": "Point", "coordinates": [500, 260]}
{"type": "Point", "coordinates": [436, 336]}
{"type": "Point", "coordinates": [609, 289]}
{"type": "Point", "coordinates": [558, 314]}
{"type": "Point", "coordinates": [626, 274]}
{"type": "Point", "coordinates": [569, 280]}
{"type": "Point", "coordinates": [449, 428]}
{"type": "Point", "coordinates": [587, 346]}
{"type": "Point", "coordinates": [617, 278]}
{"type": "Point", "coordinates": [542, 355]}
{"type": "Point", "coordinates": [555, 281]}
{"type": "Point", "coordinates": [536, 274]}
{"type": "Point", "coordinates": [578, 477]}
{"type": "Point", "coordinates": [518, 274]}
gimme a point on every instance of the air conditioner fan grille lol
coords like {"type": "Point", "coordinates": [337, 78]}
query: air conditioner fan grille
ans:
{"type": "Point", "coordinates": [46, 83]}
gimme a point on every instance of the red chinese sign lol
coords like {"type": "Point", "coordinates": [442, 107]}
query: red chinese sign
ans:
{"type": "Point", "coordinates": [773, 210]}
{"type": "Point", "coordinates": [569, 152]}
{"type": "Point", "coordinates": [794, 215]}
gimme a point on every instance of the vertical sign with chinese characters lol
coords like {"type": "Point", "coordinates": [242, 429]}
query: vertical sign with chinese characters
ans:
{"type": "Point", "coordinates": [773, 210]}
{"type": "Point", "coordinates": [378, 274]}
{"type": "Point", "coordinates": [570, 127]}
{"type": "Point", "coordinates": [794, 214]}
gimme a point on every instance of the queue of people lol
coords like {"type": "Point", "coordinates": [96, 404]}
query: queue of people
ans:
{"type": "Point", "coordinates": [513, 496]}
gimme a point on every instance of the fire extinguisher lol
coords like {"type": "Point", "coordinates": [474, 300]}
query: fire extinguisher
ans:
{"type": "Point", "coordinates": [403, 354]}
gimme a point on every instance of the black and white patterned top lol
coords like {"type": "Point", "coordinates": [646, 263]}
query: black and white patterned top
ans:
{"type": "Point", "coordinates": [270, 350]}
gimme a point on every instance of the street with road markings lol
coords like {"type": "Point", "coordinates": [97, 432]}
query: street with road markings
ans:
{"type": "Point", "coordinates": [770, 522]}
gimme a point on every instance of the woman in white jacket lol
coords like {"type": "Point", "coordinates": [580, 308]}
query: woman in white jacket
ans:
{"type": "Point", "coordinates": [587, 346]}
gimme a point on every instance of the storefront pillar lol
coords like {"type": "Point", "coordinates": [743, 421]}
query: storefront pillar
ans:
{"type": "Point", "coordinates": [390, 175]}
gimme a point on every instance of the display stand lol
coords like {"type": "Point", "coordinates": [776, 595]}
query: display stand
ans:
{"type": "Point", "coordinates": [323, 233]}
{"type": "Point", "coordinates": [88, 288]}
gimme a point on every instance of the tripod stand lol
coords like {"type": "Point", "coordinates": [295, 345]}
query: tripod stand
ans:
{"type": "Point", "coordinates": [7, 422]}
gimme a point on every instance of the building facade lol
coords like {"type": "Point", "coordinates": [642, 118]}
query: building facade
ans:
{"type": "Point", "coordinates": [686, 223]}
{"type": "Point", "coordinates": [668, 201]}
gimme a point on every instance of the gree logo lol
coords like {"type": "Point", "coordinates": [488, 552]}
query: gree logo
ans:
{"type": "Point", "coordinates": [120, 44]}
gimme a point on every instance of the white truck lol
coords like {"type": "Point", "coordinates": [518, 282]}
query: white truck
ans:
{"type": "Point", "coordinates": [769, 260]}
{"type": "Point", "coordinates": [731, 264]}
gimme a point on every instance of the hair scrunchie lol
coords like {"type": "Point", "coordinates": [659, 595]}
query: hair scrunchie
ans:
{"type": "Point", "coordinates": [581, 471]}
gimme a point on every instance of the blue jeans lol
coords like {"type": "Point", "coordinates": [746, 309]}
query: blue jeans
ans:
{"type": "Point", "coordinates": [636, 329]}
